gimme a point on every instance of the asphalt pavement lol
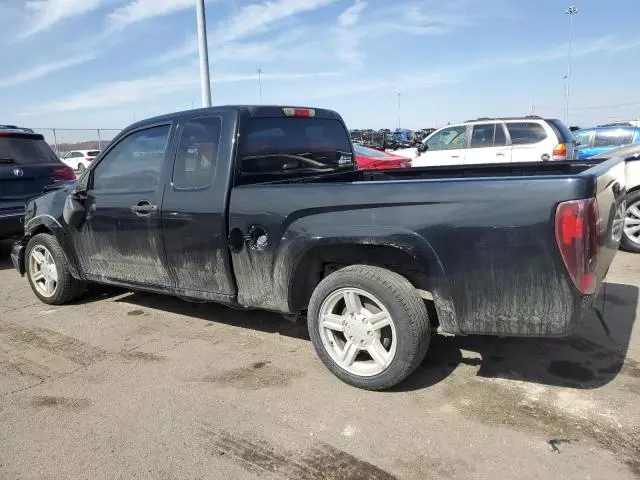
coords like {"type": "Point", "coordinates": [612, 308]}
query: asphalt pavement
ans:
{"type": "Point", "coordinates": [135, 385]}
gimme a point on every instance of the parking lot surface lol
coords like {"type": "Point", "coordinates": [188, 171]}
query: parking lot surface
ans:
{"type": "Point", "coordinates": [136, 385]}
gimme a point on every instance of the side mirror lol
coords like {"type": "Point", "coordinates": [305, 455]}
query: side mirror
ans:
{"type": "Point", "coordinates": [423, 147]}
{"type": "Point", "coordinates": [75, 209]}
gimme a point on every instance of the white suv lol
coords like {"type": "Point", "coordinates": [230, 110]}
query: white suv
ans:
{"type": "Point", "coordinates": [80, 159]}
{"type": "Point", "coordinates": [495, 140]}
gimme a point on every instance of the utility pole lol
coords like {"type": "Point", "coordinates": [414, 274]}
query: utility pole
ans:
{"type": "Point", "coordinates": [205, 84]}
{"type": "Point", "coordinates": [571, 11]}
{"type": "Point", "coordinates": [259, 72]}
{"type": "Point", "coordinates": [399, 108]}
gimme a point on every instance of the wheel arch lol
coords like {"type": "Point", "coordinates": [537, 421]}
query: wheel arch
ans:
{"type": "Point", "coordinates": [404, 253]}
{"type": "Point", "coordinates": [49, 225]}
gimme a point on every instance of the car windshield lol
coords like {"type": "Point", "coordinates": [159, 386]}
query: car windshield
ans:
{"type": "Point", "coordinates": [369, 152]}
{"type": "Point", "coordinates": [561, 130]}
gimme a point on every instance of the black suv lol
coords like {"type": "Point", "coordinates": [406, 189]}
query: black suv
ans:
{"type": "Point", "coordinates": [27, 166]}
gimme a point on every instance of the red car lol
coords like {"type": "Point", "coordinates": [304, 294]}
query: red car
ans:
{"type": "Point", "coordinates": [370, 159]}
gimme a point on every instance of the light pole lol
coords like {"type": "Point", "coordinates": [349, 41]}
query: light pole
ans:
{"type": "Point", "coordinates": [259, 72]}
{"type": "Point", "coordinates": [571, 11]}
{"type": "Point", "coordinates": [205, 85]}
{"type": "Point", "coordinates": [399, 108]}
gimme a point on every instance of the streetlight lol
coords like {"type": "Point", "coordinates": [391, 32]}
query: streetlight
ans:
{"type": "Point", "coordinates": [399, 108]}
{"type": "Point", "coordinates": [260, 72]}
{"type": "Point", "coordinates": [205, 85]}
{"type": "Point", "coordinates": [571, 11]}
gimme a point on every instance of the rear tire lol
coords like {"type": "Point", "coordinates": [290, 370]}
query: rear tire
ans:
{"type": "Point", "coordinates": [81, 167]}
{"type": "Point", "coordinates": [379, 297]}
{"type": "Point", "coordinates": [632, 243]}
{"type": "Point", "coordinates": [64, 287]}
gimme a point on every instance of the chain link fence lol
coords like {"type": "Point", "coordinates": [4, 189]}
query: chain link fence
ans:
{"type": "Point", "coordinates": [63, 140]}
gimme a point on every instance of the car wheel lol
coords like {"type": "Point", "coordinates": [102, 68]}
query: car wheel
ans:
{"type": "Point", "coordinates": [631, 233]}
{"type": "Point", "coordinates": [81, 167]}
{"type": "Point", "coordinates": [48, 273]}
{"type": "Point", "coordinates": [369, 326]}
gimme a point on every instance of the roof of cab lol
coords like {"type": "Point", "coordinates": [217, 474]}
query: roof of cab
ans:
{"type": "Point", "coordinates": [251, 110]}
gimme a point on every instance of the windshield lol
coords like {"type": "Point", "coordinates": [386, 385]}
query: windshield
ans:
{"type": "Point", "coordinates": [276, 148]}
{"type": "Point", "coordinates": [25, 149]}
{"type": "Point", "coordinates": [369, 152]}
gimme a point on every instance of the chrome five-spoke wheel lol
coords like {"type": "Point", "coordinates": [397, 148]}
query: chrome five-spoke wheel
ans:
{"type": "Point", "coordinates": [632, 223]}
{"type": "Point", "coordinates": [357, 331]}
{"type": "Point", "coordinates": [43, 271]}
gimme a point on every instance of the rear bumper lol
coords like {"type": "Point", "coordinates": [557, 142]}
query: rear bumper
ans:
{"type": "Point", "coordinates": [11, 225]}
{"type": "Point", "coordinates": [17, 257]}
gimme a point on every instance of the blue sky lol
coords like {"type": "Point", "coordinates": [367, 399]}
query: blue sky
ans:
{"type": "Point", "coordinates": [104, 63]}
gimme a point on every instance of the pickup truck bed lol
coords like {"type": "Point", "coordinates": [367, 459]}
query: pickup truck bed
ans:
{"type": "Point", "coordinates": [263, 207]}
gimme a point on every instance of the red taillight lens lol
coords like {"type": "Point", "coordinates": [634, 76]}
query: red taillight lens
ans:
{"type": "Point", "coordinates": [577, 235]}
{"type": "Point", "coordinates": [299, 112]}
{"type": "Point", "coordinates": [560, 150]}
{"type": "Point", "coordinates": [63, 173]}
{"type": "Point", "coordinates": [88, 159]}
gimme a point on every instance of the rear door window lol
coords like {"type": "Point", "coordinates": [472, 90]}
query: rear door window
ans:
{"type": "Point", "coordinates": [197, 155]}
{"type": "Point", "coordinates": [482, 135]}
{"type": "Point", "coordinates": [25, 149]}
{"type": "Point", "coordinates": [524, 133]}
{"type": "Point", "coordinates": [277, 148]}
{"type": "Point", "coordinates": [613, 138]}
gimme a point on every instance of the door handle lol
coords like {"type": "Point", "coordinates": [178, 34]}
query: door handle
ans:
{"type": "Point", "coordinates": [499, 154]}
{"type": "Point", "coordinates": [144, 208]}
{"type": "Point", "coordinates": [455, 156]}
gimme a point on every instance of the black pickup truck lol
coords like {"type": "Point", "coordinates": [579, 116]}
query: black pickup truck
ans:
{"type": "Point", "coordinates": [263, 207]}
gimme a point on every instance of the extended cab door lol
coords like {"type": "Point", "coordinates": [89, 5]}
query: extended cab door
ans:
{"type": "Point", "coordinates": [446, 147]}
{"type": "Point", "coordinates": [488, 145]}
{"type": "Point", "coordinates": [121, 237]}
{"type": "Point", "coordinates": [194, 210]}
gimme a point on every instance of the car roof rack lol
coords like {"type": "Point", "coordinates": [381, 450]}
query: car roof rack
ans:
{"type": "Point", "coordinates": [484, 119]}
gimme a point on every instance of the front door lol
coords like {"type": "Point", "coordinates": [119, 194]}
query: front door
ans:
{"type": "Point", "coordinates": [121, 237]}
{"type": "Point", "coordinates": [488, 145]}
{"type": "Point", "coordinates": [446, 147]}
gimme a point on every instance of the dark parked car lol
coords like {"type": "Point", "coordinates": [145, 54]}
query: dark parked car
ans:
{"type": "Point", "coordinates": [27, 166]}
{"type": "Point", "coordinates": [264, 207]}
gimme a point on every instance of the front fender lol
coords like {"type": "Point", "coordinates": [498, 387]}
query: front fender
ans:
{"type": "Point", "coordinates": [295, 247]}
{"type": "Point", "coordinates": [47, 223]}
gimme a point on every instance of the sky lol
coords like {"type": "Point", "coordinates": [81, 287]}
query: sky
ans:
{"type": "Point", "coordinates": [106, 63]}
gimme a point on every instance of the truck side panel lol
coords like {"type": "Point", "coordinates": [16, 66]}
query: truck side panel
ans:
{"type": "Point", "coordinates": [494, 266]}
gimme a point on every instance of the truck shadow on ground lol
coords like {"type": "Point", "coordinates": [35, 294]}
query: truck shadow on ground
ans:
{"type": "Point", "coordinates": [588, 359]}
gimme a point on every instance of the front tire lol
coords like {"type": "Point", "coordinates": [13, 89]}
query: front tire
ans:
{"type": "Point", "coordinates": [48, 273]}
{"type": "Point", "coordinates": [369, 326]}
{"type": "Point", "coordinates": [631, 233]}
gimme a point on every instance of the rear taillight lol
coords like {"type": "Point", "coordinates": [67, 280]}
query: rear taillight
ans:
{"type": "Point", "coordinates": [560, 150]}
{"type": "Point", "coordinates": [577, 232]}
{"type": "Point", "coordinates": [88, 159]}
{"type": "Point", "coordinates": [63, 173]}
{"type": "Point", "coordinates": [299, 112]}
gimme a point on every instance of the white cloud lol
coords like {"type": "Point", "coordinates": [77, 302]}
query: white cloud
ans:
{"type": "Point", "coordinates": [138, 10]}
{"type": "Point", "coordinates": [246, 21]}
{"type": "Point", "coordinates": [43, 69]}
{"type": "Point", "coordinates": [144, 89]}
{"type": "Point", "coordinates": [351, 15]}
{"type": "Point", "coordinates": [44, 14]}
{"type": "Point", "coordinates": [346, 37]}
